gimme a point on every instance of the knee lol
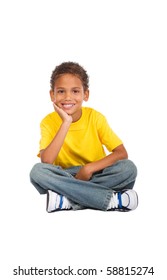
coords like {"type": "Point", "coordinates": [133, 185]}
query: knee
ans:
{"type": "Point", "coordinates": [36, 170]}
{"type": "Point", "coordinates": [130, 167]}
{"type": "Point", "coordinates": [41, 168]}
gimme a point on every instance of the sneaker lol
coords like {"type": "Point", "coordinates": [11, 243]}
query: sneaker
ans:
{"type": "Point", "coordinates": [124, 201]}
{"type": "Point", "coordinates": [56, 202]}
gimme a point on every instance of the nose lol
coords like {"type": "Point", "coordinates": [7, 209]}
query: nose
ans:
{"type": "Point", "coordinates": [68, 95]}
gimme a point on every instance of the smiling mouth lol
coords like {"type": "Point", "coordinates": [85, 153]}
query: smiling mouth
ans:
{"type": "Point", "coordinates": [67, 106]}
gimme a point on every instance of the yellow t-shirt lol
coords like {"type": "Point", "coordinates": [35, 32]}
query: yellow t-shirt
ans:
{"type": "Point", "coordinates": [84, 140]}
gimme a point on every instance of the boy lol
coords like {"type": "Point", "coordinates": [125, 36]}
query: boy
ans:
{"type": "Point", "coordinates": [74, 171]}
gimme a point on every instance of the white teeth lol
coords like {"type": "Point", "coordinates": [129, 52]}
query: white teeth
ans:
{"type": "Point", "coordinates": [67, 106]}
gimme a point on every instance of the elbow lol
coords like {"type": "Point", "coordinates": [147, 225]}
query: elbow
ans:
{"type": "Point", "coordinates": [125, 155]}
{"type": "Point", "coordinates": [122, 155]}
{"type": "Point", "coordinates": [45, 158]}
{"type": "Point", "coordinates": [121, 152]}
{"type": "Point", "coordinates": [46, 161]}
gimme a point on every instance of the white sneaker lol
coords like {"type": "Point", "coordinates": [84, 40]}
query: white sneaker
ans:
{"type": "Point", "coordinates": [56, 202]}
{"type": "Point", "coordinates": [124, 201]}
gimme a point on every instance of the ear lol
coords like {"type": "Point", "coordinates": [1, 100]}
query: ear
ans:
{"type": "Point", "coordinates": [52, 97]}
{"type": "Point", "coordinates": [86, 95]}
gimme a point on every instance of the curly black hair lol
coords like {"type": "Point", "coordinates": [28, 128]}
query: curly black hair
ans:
{"type": "Point", "coordinates": [70, 68]}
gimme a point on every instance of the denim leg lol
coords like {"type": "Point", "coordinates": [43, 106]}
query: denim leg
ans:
{"type": "Point", "coordinates": [95, 193]}
{"type": "Point", "coordinates": [121, 175]}
{"type": "Point", "coordinates": [85, 193]}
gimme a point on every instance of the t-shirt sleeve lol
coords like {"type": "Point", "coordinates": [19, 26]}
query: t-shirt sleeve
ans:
{"type": "Point", "coordinates": [46, 136]}
{"type": "Point", "coordinates": [107, 136]}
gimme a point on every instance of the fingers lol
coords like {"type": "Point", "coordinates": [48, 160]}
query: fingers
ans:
{"type": "Point", "coordinates": [57, 109]}
{"type": "Point", "coordinates": [55, 106]}
{"type": "Point", "coordinates": [63, 115]}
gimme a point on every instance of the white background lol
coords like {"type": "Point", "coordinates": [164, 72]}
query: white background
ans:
{"type": "Point", "coordinates": [122, 44]}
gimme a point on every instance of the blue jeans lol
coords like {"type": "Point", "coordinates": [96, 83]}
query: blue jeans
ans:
{"type": "Point", "coordinates": [95, 193]}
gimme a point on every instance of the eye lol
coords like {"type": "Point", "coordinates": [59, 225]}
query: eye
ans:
{"type": "Point", "coordinates": [60, 91]}
{"type": "Point", "coordinates": [75, 91]}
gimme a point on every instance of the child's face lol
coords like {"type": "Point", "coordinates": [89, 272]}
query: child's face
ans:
{"type": "Point", "coordinates": [69, 95]}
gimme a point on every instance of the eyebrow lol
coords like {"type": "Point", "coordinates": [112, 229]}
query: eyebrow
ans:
{"type": "Point", "coordinates": [72, 88]}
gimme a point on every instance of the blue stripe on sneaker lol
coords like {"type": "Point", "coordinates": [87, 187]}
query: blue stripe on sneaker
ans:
{"type": "Point", "coordinates": [120, 200]}
{"type": "Point", "coordinates": [61, 202]}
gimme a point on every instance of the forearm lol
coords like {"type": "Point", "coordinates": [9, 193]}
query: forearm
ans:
{"type": "Point", "coordinates": [86, 171]}
{"type": "Point", "coordinates": [49, 154]}
{"type": "Point", "coordinates": [101, 164]}
{"type": "Point", "coordinates": [118, 154]}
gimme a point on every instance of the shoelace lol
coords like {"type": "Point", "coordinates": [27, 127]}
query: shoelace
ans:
{"type": "Point", "coordinates": [65, 204]}
{"type": "Point", "coordinates": [114, 201]}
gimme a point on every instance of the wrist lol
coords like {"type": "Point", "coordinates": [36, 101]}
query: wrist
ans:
{"type": "Point", "coordinates": [89, 168]}
{"type": "Point", "coordinates": [67, 123]}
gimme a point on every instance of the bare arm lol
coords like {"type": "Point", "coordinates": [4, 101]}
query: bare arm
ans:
{"type": "Point", "coordinates": [86, 172]}
{"type": "Point", "coordinates": [49, 154]}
